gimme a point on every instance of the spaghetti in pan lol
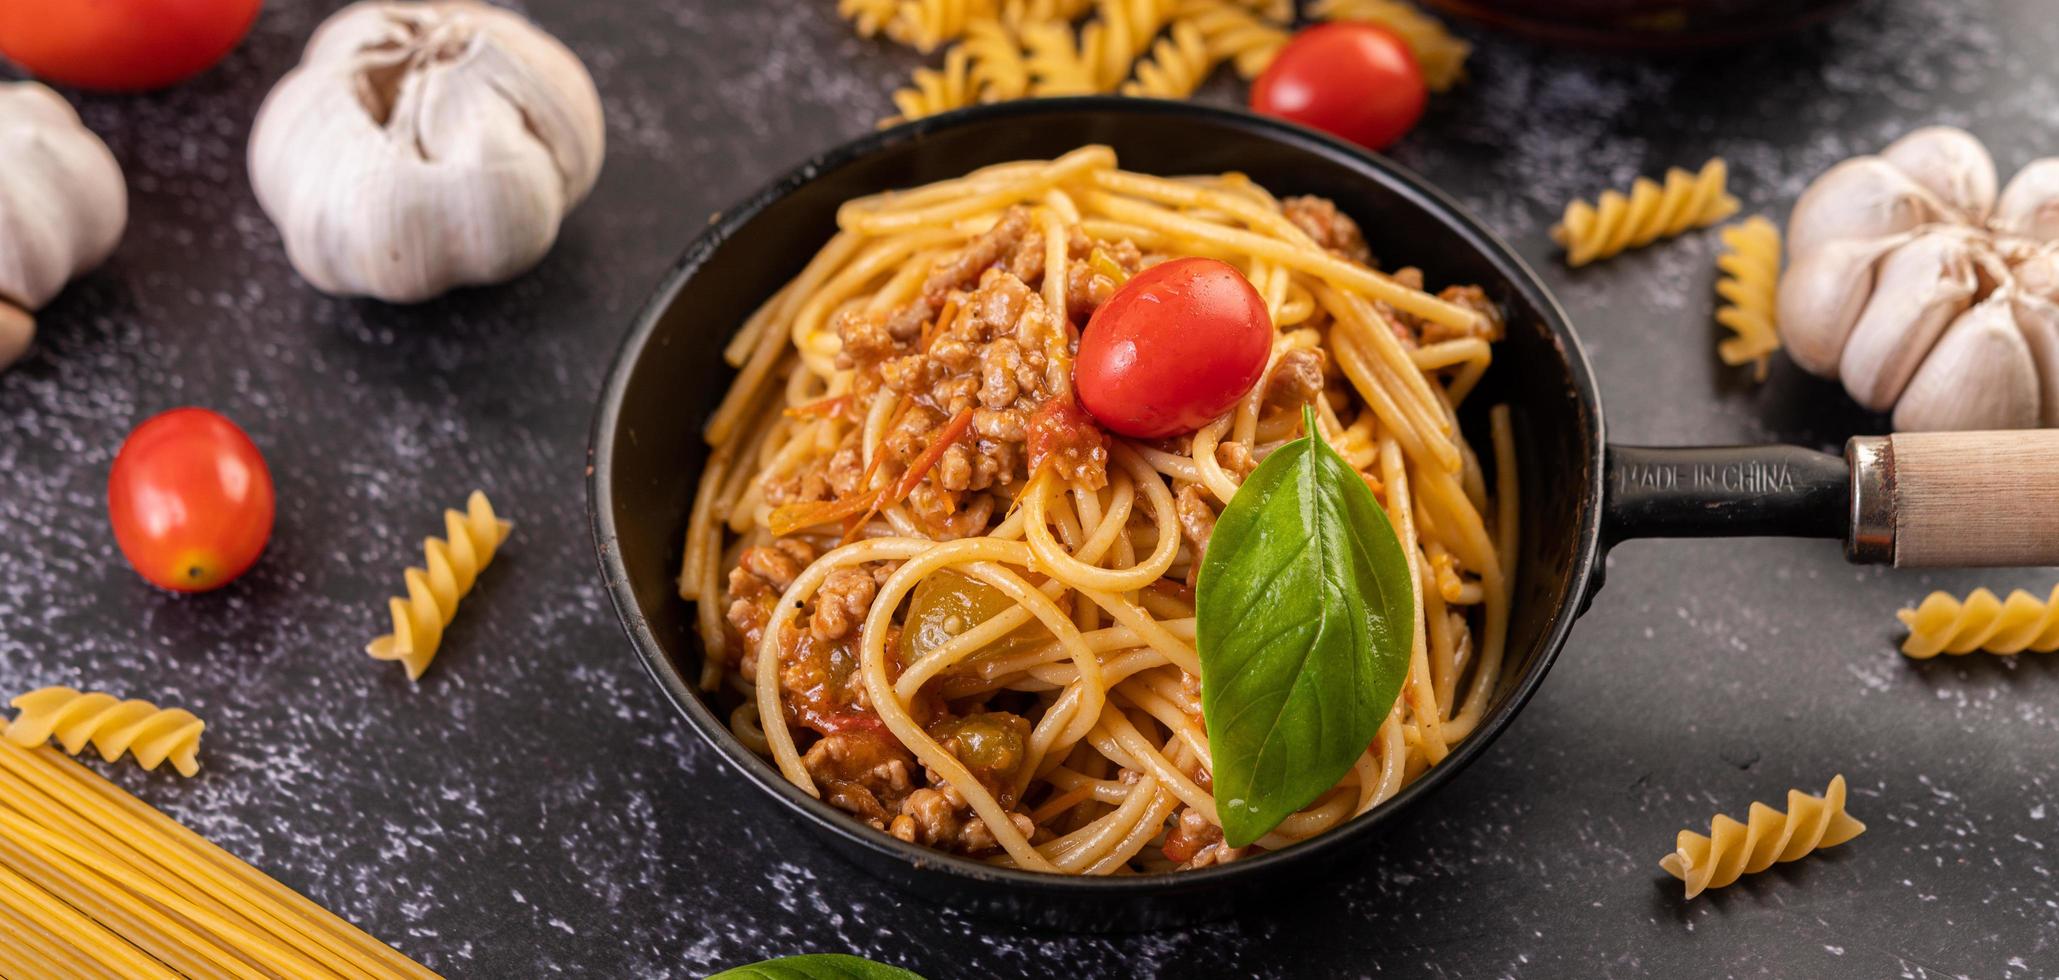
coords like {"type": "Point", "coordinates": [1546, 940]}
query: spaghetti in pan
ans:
{"type": "Point", "coordinates": [941, 596]}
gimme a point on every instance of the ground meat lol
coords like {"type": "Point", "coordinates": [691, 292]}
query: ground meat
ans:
{"type": "Point", "coordinates": [1332, 229]}
{"type": "Point", "coordinates": [846, 467]}
{"type": "Point", "coordinates": [942, 819]}
{"type": "Point", "coordinates": [1064, 436]}
{"type": "Point", "coordinates": [1087, 283]}
{"type": "Point", "coordinates": [1488, 327]}
{"type": "Point", "coordinates": [809, 483]}
{"type": "Point", "coordinates": [1197, 522]}
{"type": "Point", "coordinates": [863, 773]}
{"type": "Point", "coordinates": [841, 603]}
{"type": "Point", "coordinates": [755, 584]}
{"type": "Point", "coordinates": [864, 335]}
{"type": "Point", "coordinates": [1191, 835]}
{"type": "Point", "coordinates": [1297, 379]}
{"type": "Point", "coordinates": [959, 271]}
{"type": "Point", "coordinates": [1235, 457]}
{"type": "Point", "coordinates": [1003, 356]}
{"type": "Point", "coordinates": [947, 518]}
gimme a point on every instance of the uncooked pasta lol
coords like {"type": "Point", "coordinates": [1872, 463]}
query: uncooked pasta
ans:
{"type": "Point", "coordinates": [1024, 48]}
{"type": "Point", "coordinates": [987, 66]}
{"type": "Point", "coordinates": [94, 884]}
{"type": "Point", "coordinates": [452, 564]}
{"type": "Point", "coordinates": [943, 599]}
{"type": "Point", "coordinates": [1440, 55]}
{"type": "Point", "coordinates": [1944, 624]}
{"type": "Point", "coordinates": [1732, 850]}
{"type": "Point", "coordinates": [110, 724]}
{"type": "Point", "coordinates": [1651, 211]}
{"type": "Point", "coordinates": [1750, 265]}
{"type": "Point", "coordinates": [1177, 65]}
{"type": "Point", "coordinates": [1235, 33]}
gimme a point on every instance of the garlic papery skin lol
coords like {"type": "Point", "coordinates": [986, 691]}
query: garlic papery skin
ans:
{"type": "Point", "coordinates": [422, 146]}
{"type": "Point", "coordinates": [1821, 297]}
{"type": "Point", "coordinates": [2038, 318]}
{"type": "Point", "coordinates": [2030, 204]}
{"type": "Point", "coordinates": [1864, 197]}
{"type": "Point", "coordinates": [62, 205]}
{"type": "Point", "coordinates": [1951, 164]}
{"type": "Point", "coordinates": [1919, 289]}
{"type": "Point", "coordinates": [1980, 376]}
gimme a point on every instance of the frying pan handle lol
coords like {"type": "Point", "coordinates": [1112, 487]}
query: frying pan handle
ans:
{"type": "Point", "coordinates": [1917, 499]}
{"type": "Point", "coordinates": [1724, 492]}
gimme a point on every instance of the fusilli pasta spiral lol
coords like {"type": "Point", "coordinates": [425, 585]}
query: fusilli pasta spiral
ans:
{"type": "Point", "coordinates": [1734, 849]}
{"type": "Point", "coordinates": [987, 66]}
{"type": "Point", "coordinates": [1943, 624]}
{"type": "Point", "coordinates": [926, 25]}
{"type": "Point", "coordinates": [1441, 56]}
{"type": "Point", "coordinates": [1650, 212]}
{"type": "Point", "coordinates": [112, 725]}
{"type": "Point", "coordinates": [867, 17]}
{"type": "Point", "coordinates": [1021, 13]}
{"type": "Point", "coordinates": [1177, 65]}
{"type": "Point", "coordinates": [433, 592]}
{"type": "Point", "coordinates": [1751, 277]}
{"type": "Point", "coordinates": [1060, 60]}
{"type": "Point", "coordinates": [1098, 57]}
{"type": "Point", "coordinates": [1232, 32]}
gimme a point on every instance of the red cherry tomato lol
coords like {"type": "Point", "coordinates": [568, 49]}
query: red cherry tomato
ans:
{"type": "Point", "coordinates": [123, 45]}
{"type": "Point", "coordinates": [1175, 347]}
{"type": "Point", "coordinates": [1357, 81]}
{"type": "Point", "coordinates": [190, 499]}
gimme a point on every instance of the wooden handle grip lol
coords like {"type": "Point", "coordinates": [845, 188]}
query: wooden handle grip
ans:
{"type": "Point", "coordinates": [1967, 499]}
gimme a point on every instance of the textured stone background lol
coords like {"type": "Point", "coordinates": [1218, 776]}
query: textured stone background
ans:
{"type": "Point", "coordinates": [533, 809]}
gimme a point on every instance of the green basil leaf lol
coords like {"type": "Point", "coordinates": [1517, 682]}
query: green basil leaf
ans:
{"type": "Point", "coordinates": [1305, 611]}
{"type": "Point", "coordinates": [816, 966]}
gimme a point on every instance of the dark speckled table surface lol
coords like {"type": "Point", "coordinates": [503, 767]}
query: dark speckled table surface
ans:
{"type": "Point", "coordinates": [533, 808]}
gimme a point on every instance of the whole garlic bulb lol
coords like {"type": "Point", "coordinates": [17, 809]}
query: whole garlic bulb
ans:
{"type": "Point", "coordinates": [421, 146]}
{"type": "Point", "coordinates": [62, 205]}
{"type": "Point", "coordinates": [1922, 289]}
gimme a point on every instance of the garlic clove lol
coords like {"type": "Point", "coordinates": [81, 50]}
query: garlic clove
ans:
{"type": "Point", "coordinates": [1863, 197]}
{"type": "Point", "coordinates": [423, 146]}
{"type": "Point", "coordinates": [1821, 296]}
{"type": "Point", "coordinates": [1951, 164]}
{"type": "Point", "coordinates": [1980, 376]}
{"type": "Point", "coordinates": [62, 200]}
{"type": "Point", "coordinates": [2038, 317]}
{"type": "Point", "coordinates": [1919, 289]}
{"type": "Point", "coordinates": [2030, 204]}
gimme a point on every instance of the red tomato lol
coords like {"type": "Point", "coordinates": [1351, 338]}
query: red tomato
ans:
{"type": "Point", "coordinates": [191, 500]}
{"type": "Point", "coordinates": [122, 45]}
{"type": "Point", "coordinates": [1357, 81]}
{"type": "Point", "coordinates": [1175, 347]}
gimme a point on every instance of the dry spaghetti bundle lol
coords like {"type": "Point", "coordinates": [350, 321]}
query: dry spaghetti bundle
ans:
{"type": "Point", "coordinates": [94, 883]}
{"type": "Point", "coordinates": [942, 600]}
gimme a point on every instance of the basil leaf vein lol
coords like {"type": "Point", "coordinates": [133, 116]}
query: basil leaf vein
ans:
{"type": "Point", "coordinates": [1305, 612]}
{"type": "Point", "coordinates": [816, 966]}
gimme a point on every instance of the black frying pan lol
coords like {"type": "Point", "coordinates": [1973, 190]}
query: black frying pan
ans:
{"type": "Point", "coordinates": [1579, 494]}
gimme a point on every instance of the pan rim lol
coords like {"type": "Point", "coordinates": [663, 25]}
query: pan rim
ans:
{"type": "Point", "coordinates": [841, 826]}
